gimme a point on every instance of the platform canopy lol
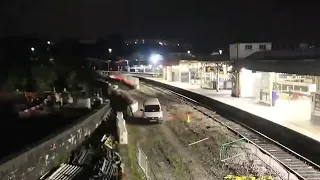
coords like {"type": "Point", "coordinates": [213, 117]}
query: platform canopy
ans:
{"type": "Point", "coordinates": [304, 62]}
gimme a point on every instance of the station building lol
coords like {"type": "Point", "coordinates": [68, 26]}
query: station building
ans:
{"type": "Point", "coordinates": [284, 80]}
{"type": "Point", "coordinates": [281, 86]}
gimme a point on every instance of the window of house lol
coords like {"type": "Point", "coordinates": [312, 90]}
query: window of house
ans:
{"type": "Point", "coordinates": [262, 46]}
{"type": "Point", "coordinates": [248, 47]}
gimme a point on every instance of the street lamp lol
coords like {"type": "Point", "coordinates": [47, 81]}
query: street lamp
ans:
{"type": "Point", "coordinates": [48, 42]}
{"type": "Point", "coordinates": [110, 50]}
{"type": "Point", "coordinates": [188, 52]}
{"type": "Point", "coordinates": [155, 58]}
{"type": "Point", "coordinates": [32, 49]}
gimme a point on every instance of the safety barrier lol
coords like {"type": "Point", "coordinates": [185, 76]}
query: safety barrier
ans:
{"type": "Point", "coordinates": [122, 129]}
{"type": "Point", "coordinates": [287, 137]}
{"type": "Point", "coordinates": [134, 105]}
{"type": "Point", "coordinates": [39, 159]}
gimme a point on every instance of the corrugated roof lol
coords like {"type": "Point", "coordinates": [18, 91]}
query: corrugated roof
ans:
{"type": "Point", "coordinates": [66, 172]}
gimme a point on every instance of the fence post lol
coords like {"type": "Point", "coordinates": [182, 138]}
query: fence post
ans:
{"type": "Point", "coordinates": [270, 161]}
{"type": "Point", "coordinates": [139, 154]}
{"type": "Point", "coordinates": [147, 176]}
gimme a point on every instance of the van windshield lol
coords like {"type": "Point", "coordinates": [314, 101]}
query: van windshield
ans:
{"type": "Point", "coordinates": [152, 108]}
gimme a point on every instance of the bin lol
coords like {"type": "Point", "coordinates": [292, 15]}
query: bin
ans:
{"type": "Point", "coordinates": [274, 97]}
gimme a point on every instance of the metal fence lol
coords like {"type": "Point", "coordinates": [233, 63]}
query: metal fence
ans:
{"type": "Point", "coordinates": [144, 164]}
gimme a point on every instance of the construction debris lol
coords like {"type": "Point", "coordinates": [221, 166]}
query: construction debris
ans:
{"type": "Point", "coordinates": [198, 141]}
{"type": "Point", "coordinates": [97, 163]}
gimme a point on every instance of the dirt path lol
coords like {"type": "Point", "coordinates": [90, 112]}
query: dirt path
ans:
{"type": "Point", "coordinates": [166, 145]}
{"type": "Point", "coordinates": [166, 162]}
{"type": "Point", "coordinates": [169, 149]}
{"type": "Point", "coordinates": [200, 127]}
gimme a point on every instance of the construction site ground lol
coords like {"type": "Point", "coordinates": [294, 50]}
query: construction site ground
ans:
{"type": "Point", "coordinates": [167, 146]}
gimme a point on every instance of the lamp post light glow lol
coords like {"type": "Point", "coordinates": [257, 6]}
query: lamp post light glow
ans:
{"type": "Point", "coordinates": [188, 52]}
{"type": "Point", "coordinates": [155, 58]}
{"type": "Point", "coordinates": [110, 50]}
{"type": "Point", "coordinates": [32, 49]}
{"type": "Point", "coordinates": [48, 42]}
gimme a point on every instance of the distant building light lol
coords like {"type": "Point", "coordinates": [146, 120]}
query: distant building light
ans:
{"type": "Point", "coordinates": [32, 49]}
{"type": "Point", "coordinates": [48, 42]}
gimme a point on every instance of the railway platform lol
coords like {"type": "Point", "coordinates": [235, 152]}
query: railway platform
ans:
{"type": "Point", "coordinates": [294, 115]}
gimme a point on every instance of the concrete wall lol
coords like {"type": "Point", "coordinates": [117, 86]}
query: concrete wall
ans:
{"type": "Point", "coordinates": [35, 162]}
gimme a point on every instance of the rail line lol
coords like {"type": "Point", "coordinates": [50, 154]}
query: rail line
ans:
{"type": "Point", "coordinates": [294, 163]}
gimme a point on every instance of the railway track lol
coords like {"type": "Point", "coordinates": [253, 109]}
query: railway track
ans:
{"type": "Point", "coordinates": [294, 163]}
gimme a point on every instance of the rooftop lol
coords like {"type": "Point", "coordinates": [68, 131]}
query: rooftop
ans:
{"type": "Point", "coordinates": [186, 56]}
{"type": "Point", "coordinates": [298, 54]}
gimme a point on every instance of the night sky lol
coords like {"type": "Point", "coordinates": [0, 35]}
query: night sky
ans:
{"type": "Point", "coordinates": [204, 23]}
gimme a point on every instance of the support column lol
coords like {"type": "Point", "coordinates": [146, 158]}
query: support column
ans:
{"type": "Point", "coordinates": [235, 84]}
{"type": "Point", "coordinates": [164, 73]}
{"type": "Point", "coordinates": [315, 107]}
{"type": "Point", "coordinates": [267, 80]}
{"type": "Point", "coordinates": [169, 73]}
{"type": "Point", "coordinates": [315, 101]}
{"type": "Point", "coordinates": [217, 76]}
{"type": "Point", "coordinates": [317, 82]}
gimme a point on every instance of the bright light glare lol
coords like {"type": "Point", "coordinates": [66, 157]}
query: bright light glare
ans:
{"type": "Point", "coordinates": [188, 52]}
{"type": "Point", "coordinates": [220, 51]}
{"type": "Point", "coordinates": [32, 49]}
{"type": "Point", "coordinates": [48, 42]}
{"type": "Point", "coordinates": [155, 58]}
{"type": "Point", "coordinates": [160, 66]}
{"type": "Point", "coordinates": [110, 50]}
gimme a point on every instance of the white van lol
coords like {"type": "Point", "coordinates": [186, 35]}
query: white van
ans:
{"type": "Point", "coordinates": [152, 110]}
